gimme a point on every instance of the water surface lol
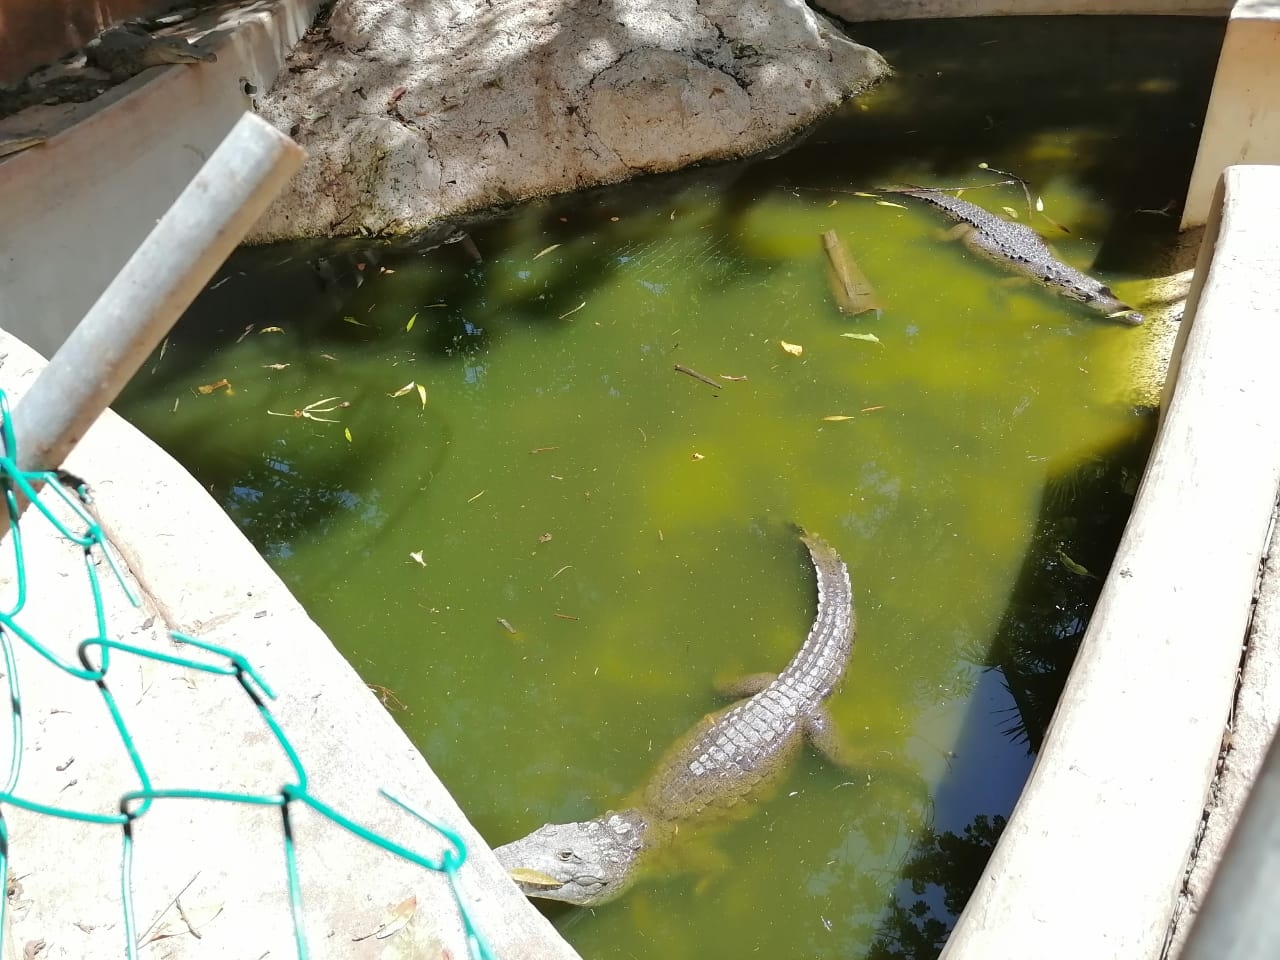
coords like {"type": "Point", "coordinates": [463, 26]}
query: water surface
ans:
{"type": "Point", "coordinates": [543, 566]}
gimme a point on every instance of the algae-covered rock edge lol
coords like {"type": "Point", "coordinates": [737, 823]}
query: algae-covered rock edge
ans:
{"type": "Point", "coordinates": [414, 114]}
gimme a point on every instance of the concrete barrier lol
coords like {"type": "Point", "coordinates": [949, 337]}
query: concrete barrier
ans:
{"type": "Point", "coordinates": [1096, 850]}
{"type": "Point", "coordinates": [72, 210]}
{"type": "Point", "coordinates": [1242, 123]}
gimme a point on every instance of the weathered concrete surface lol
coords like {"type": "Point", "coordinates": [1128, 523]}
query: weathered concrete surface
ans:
{"type": "Point", "coordinates": [416, 112]}
{"type": "Point", "coordinates": [1095, 852]}
{"type": "Point", "coordinates": [220, 864]}
{"type": "Point", "coordinates": [73, 209]}
{"type": "Point", "coordinates": [1254, 723]}
{"type": "Point", "coordinates": [855, 10]}
{"type": "Point", "coordinates": [1242, 122]}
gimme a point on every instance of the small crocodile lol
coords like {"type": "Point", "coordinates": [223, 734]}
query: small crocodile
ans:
{"type": "Point", "coordinates": [730, 757]}
{"type": "Point", "coordinates": [1020, 250]}
{"type": "Point", "coordinates": [130, 48]}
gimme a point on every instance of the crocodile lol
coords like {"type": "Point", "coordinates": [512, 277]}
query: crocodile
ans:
{"type": "Point", "coordinates": [130, 48]}
{"type": "Point", "coordinates": [1020, 250]}
{"type": "Point", "coordinates": [730, 757]}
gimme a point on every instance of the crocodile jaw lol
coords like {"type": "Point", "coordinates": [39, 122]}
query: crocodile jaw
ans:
{"type": "Point", "coordinates": [592, 861]}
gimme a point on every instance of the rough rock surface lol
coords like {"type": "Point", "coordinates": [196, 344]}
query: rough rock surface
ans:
{"type": "Point", "coordinates": [416, 111]}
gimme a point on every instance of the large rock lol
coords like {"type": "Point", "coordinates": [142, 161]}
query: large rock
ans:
{"type": "Point", "coordinates": [415, 111]}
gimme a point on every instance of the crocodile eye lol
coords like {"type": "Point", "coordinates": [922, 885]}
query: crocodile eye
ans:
{"type": "Point", "coordinates": [565, 855]}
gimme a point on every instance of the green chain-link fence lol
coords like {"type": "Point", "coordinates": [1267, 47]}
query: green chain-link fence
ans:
{"type": "Point", "coordinates": [94, 664]}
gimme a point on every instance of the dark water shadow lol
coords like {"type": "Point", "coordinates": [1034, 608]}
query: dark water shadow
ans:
{"type": "Point", "coordinates": [1084, 509]}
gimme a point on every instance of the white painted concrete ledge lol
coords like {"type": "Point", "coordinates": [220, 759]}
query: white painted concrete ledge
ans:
{"type": "Point", "coordinates": [1096, 850]}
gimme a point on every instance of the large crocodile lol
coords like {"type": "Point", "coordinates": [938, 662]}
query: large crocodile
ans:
{"type": "Point", "coordinates": [1020, 250]}
{"type": "Point", "coordinates": [730, 757]}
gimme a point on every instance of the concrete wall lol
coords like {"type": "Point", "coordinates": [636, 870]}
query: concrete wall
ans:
{"type": "Point", "coordinates": [1242, 123]}
{"type": "Point", "coordinates": [73, 209]}
{"type": "Point", "coordinates": [33, 32]}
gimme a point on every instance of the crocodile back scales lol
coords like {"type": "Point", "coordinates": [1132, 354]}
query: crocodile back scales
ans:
{"type": "Point", "coordinates": [739, 751]}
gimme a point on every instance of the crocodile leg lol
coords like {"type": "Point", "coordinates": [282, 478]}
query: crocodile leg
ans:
{"type": "Point", "coordinates": [821, 731]}
{"type": "Point", "coordinates": [747, 686]}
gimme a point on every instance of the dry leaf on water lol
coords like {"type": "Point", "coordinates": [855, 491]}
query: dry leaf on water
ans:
{"type": "Point", "coordinates": [792, 348]}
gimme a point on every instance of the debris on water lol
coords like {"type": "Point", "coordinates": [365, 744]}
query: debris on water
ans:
{"type": "Point", "coordinates": [681, 368]}
{"type": "Point", "coordinates": [573, 311]}
{"type": "Point", "coordinates": [837, 418]}
{"type": "Point", "coordinates": [271, 330]}
{"type": "Point", "coordinates": [274, 366]}
{"type": "Point", "coordinates": [792, 348]}
{"type": "Point", "coordinates": [311, 409]}
{"type": "Point", "coordinates": [416, 555]}
{"type": "Point", "coordinates": [729, 376]}
{"type": "Point", "coordinates": [545, 250]}
{"type": "Point", "coordinates": [346, 432]}
{"type": "Point", "coordinates": [697, 456]}
{"type": "Point", "coordinates": [543, 449]}
{"type": "Point", "coordinates": [567, 566]}
{"type": "Point", "coordinates": [476, 497]}
{"type": "Point", "coordinates": [412, 320]}
{"type": "Point", "coordinates": [565, 616]}
{"type": "Point", "coordinates": [849, 285]}
{"type": "Point", "coordinates": [879, 406]}
{"type": "Point", "coordinates": [1078, 569]}
{"type": "Point", "coordinates": [207, 388]}
{"type": "Point", "coordinates": [506, 625]}
{"type": "Point", "coordinates": [868, 337]}
{"type": "Point", "coordinates": [544, 538]}
{"type": "Point", "coordinates": [351, 320]}
{"type": "Point", "coordinates": [247, 330]}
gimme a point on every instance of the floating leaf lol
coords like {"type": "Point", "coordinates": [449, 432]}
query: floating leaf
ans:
{"type": "Point", "coordinates": [863, 193]}
{"type": "Point", "coordinates": [852, 290]}
{"type": "Point", "coordinates": [890, 203]}
{"type": "Point", "coordinates": [837, 418]}
{"type": "Point", "coordinates": [274, 366]}
{"type": "Point", "coordinates": [534, 878]}
{"type": "Point", "coordinates": [1078, 569]}
{"type": "Point", "coordinates": [868, 337]}
{"type": "Point", "coordinates": [1011, 212]}
{"type": "Point", "coordinates": [346, 432]}
{"type": "Point", "coordinates": [271, 330]}
{"type": "Point", "coordinates": [207, 388]}
{"type": "Point", "coordinates": [878, 406]}
{"type": "Point", "coordinates": [792, 348]}
{"type": "Point", "coordinates": [348, 320]}
{"type": "Point", "coordinates": [328, 356]}
{"type": "Point", "coordinates": [545, 250]}
{"type": "Point", "coordinates": [1039, 205]}
{"type": "Point", "coordinates": [729, 376]}
{"type": "Point", "coordinates": [403, 390]}
{"type": "Point", "coordinates": [697, 456]}
{"type": "Point", "coordinates": [400, 915]}
{"type": "Point", "coordinates": [544, 538]}
{"type": "Point", "coordinates": [417, 555]}
{"type": "Point", "coordinates": [422, 395]}
{"type": "Point", "coordinates": [409, 326]}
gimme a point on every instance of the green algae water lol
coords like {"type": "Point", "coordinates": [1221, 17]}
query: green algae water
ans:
{"type": "Point", "coordinates": [477, 467]}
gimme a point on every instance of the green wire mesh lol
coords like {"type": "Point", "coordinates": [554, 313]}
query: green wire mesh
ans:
{"type": "Point", "coordinates": [94, 656]}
